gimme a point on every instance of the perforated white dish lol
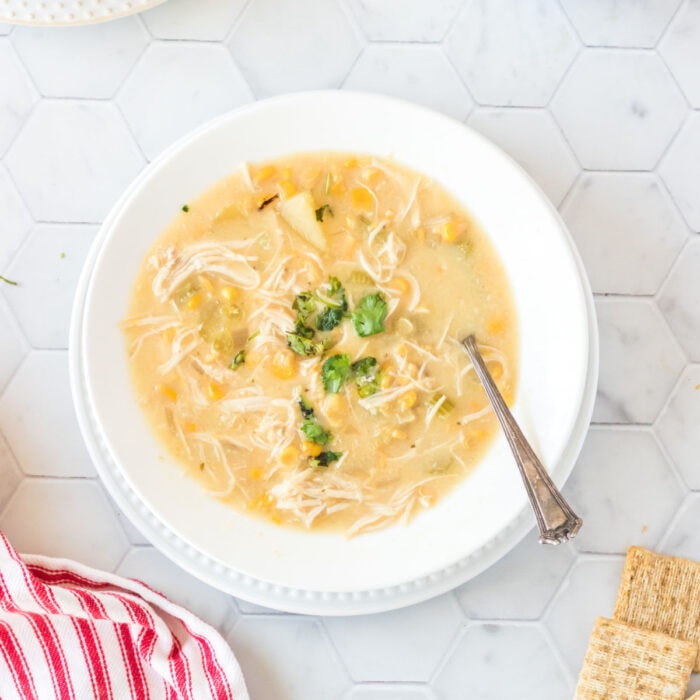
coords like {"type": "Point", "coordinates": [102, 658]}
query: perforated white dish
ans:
{"type": "Point", "coordinates": [69, 12]}
{"type": "Point", "coordinates": [327, 574]}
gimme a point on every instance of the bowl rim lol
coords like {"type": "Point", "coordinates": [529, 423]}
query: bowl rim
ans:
{"type": "Point", "coordinates": [227, 577]}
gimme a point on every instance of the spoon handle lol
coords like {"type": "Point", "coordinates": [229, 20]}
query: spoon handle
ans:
{"type": "Point", "coordinates": [556, 520]}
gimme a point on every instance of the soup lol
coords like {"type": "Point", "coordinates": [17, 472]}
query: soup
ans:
{"type": "Point", "coordinates": [294, 340]}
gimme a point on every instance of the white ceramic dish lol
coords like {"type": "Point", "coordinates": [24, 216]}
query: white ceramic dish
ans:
{"type": "Point", "coordinates": [483, 517]}
{"type": "Point", "coordinates": [69, 12]}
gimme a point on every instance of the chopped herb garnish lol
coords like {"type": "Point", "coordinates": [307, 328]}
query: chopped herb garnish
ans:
{"type": "Point", "coordinates": [327, 186]}
{"type": "Point", "coordinates": [304, 304]}
{"type": "Point", "coordinates": [329, 319]}
{"type": "Point", "coordinates": [305, 407]}
{"type": "Point", "coordinates": [253, 335]}
{"type": "Point", "coordinates": [336, 305]}
{"type": "Point", "coordinates": [62, 256]}
{"type": "Point", "coordinates": [325, 458]}
{"type": "Point", "coordinates": [267, 201]}
{"type": "Point", "coordinates": [368, 317]}
{"type": "Point", "coordinates": [301, 341]}
{"type": "Point", "coordinates": [367, 376]}
{"type": "Point", "coordinates": [12, 282]}
{"type": "Point", "coordinates": [185, 208]}
{"type": "Point", "coordinates": [325, 209]}
{"type": "Point", "coordinates": [238, 360]}
{"type": "Point", "coordinates": [334, 372]}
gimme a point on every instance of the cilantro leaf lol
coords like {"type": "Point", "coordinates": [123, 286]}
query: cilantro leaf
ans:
{"type": "Point", "coordinates": [325, 458]}
{"type": "Point", "coordinates": [367, 376]}
{"type": "Point", "coordinates": [305, 408]}
{"type": "Point", "coordinates": [314, 432]}
{"type": "Point", "coordinates": [369, 314]}
{"type": "Point", "coordinates": [238, 360]}
{"type": "Point", "coordinates": [329, 319]}
{"type": "Point", "coordinates": [304, 304]}
{"type": "Point", "coordinates": [334, 372]}
{"type": "Point", "coordinates": [324, 209]}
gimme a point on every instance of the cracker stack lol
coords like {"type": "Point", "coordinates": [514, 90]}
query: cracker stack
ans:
{"type": "Point", "coordinates": [624, 662]}
{"type": "Point", "coordinates": [649, 650]}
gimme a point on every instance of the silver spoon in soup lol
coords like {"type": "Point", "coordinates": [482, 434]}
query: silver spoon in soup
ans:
{"type": "Point", "coordinates": [556, 521]}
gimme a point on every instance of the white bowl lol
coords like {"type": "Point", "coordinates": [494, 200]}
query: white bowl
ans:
{"type": "Point", "coordinates": [481, 518]}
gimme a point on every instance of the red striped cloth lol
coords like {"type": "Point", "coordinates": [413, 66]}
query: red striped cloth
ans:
{"type": "Point", "coordinates": [68, 631]}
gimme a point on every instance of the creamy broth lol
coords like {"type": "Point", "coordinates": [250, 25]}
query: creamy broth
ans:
{"type": "Point", "coordinates": [294, 335]}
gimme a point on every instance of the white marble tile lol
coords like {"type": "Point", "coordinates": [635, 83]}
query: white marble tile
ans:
{"type": "Point", "coordinates": [64, 518]}
{"type": "Point", "coordinates": [5, 29]}
{"type": "Point", "coordinates": [201, 20]}
{"type": "Point", "coordinates": [640, 361]}
{"type": "Point", "coordinates": [418, 73]}
{"type": "Point", "coordinates": [307, 44]}
{"type": "Point", "coordinates": [43, 433]}
{"type": "Point", "coordinates": [388, 691]}
{"type": "Point", "coordinates": [405, 20]}
{"type": "Point", "coordinates": [48, 265]}
{"type": "Point", "coordinates": [627, 230]}
{"type": "Point", "coordinates": [680, 170]}
{"type": "Point", "coordinates": [589, 592]}
{"type": "Point", "coordinates": [677, 427]}
{"type": "Point", "coordinates": [15, 221]}
{"type": "Point", "coordinates": [519, 586]}
{"type": "Point", "coordinates": [10, 475]}
{"type": "Point", "coordinates": [17, 94]}
{"type": "Point", "coordinates": [680, 48]}
{"type": "Point", "coordinates": [532, 138]}
{"type": "Point", "coordinates": [153, 568]}
{"type": "Point", "coordinates": [73, 159]}
{"type": "Point", "coordinates": [133, 534]}
{"type": "Point", "coordinates": [287, 658]}
{"type": "Point", "coordinates": [13, 346]}
{"type": "Point", "coordinates": [679, 299]}
{"type": "Point", "coordinates": [633, 23]}
{"type": "Point", "coordinates": [683, 537]}
{"type": "Point", "coordinates": [512, 53]}
{"type": "Point", "coordinates": [99, 58]}
{"type": "Point", "coordinates": [406, 644]}
{"type": "Point", "coordinates": [248, 608]}
{"type": "Point", "coordinates": [624, 489]}
{"type": "Point", "coordinates": [619, 109]}
{"type": "Point", "coordinates": [492, 661]}
{"type": "Point", "coordinates": [168, 76]}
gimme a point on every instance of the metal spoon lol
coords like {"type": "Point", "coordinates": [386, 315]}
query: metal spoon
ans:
{"type": "Point", "coordinates": [556, 521]}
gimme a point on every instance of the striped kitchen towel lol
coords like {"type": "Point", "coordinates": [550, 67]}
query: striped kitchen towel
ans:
{"type": "Point", "coordinates": [68, 631]}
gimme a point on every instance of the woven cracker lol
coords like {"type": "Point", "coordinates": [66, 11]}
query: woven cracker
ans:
{"type": "Point", "coordinates": [662, 594]}
{"type": "Point", "coordinates": [624, 662]}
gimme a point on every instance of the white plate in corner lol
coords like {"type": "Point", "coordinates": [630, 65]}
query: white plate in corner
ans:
{"type": "Point", "coordinates": [69, 12]}
{"type": "Point", "coordinates": [327, 574]}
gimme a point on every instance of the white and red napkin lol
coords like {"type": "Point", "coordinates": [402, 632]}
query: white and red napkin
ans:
{"type": "Point", "coordinates": [68, 631]}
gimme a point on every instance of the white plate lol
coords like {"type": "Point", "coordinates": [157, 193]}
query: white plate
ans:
{"type": "Point", "coordinates": [482, 518]}
{"type": "Point", "coordinates": [69, 12]}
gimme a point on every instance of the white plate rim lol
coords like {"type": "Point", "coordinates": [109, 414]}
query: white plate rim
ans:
{"type": "Point", "coordinates": [294, 599]}
{"type": "Point", "coordinates": [33, 14]}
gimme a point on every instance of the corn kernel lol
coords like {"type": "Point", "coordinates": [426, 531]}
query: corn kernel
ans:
{"type": "Point", "coordinates": [362, 199]}
{"type": "Point", "coordinates": [351, 162]}
{"type": "Point", "coordinates": [256, 473]}
{"type": "Point", "coordinates": [215, 391]}
{"type": "Point", "coordinates": [400, 284]}
{"type": "Point", "coordinates": [167, 391]}
{"type": "Point", "coordinates": [399, 434]}
{"type": "Point", "coordinates": [371, 175]}
{"type": "Point", "coordinates": [420, 234]}
{"type": "Point", "coordinates": [496, 370]}
{"type": "Point", "coordinates": [206, 284]}
{"type": "Point", "coordinates": [408, 400]}
{"type": "Point", "coordinates": [194, 301]}
{"type": "Point", "coordinates": [495, 325]}
{"type": "Point", "coordinates": [283, 365]}
{"type": "Point", "coordinates": [310, 449]}
{"type": "Point", "coordinates": [350, 222]}
{"type": "Point", "coordinates": [264, 173]}
{"type": "Point", "coordinates": [289, 456]}
{"type": "Point", "coordinates": [402, 350]}
{"type": "Point", "coordinates": [170, 334]}
{"type": "Point", "coordinates": [287, 188]}
{"type": "Point", "coordinates": [337, 187]}
{"type": "Point", "coordinates": [190, 428]}
{"type": "Point", "coordinates": [449, 232]}
{"type": "Point", "coordinates": [286, 173]}
{"type": "Point", "coordinates": [229, 293]}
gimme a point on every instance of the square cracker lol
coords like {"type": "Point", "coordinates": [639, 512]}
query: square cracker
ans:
{"type": "Point", "coordinates": [624, 662]}
{"type": "Point", "coordinates": [661, 593]}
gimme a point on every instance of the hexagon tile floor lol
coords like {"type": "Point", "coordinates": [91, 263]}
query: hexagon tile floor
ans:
{"type": "Point", "coordinates": [600, 103]}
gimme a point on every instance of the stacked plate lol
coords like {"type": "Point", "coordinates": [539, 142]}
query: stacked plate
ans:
{"type": "Point", "coordinates": [69, 12]}
{"type": "Point", "coordinates": [480, 520]}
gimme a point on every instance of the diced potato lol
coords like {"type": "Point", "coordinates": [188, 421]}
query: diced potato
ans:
{"type": "Point", "coordinates": [299, 212]}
